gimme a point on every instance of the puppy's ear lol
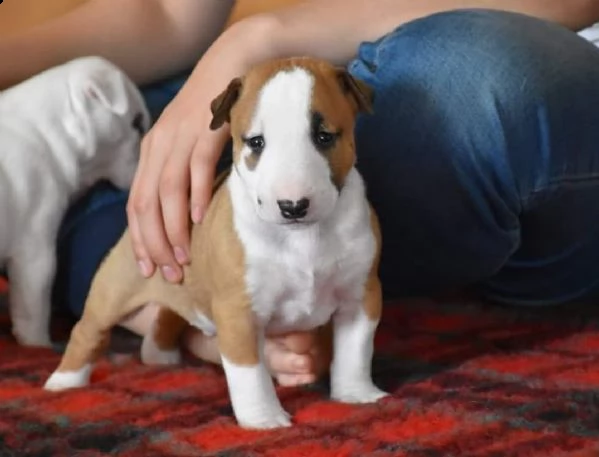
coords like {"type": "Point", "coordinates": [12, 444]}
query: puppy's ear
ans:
{"type": "Point", "coordinates": [360, 92]}
{"type": "Point", "coordinates": [222, 104]}
{"type": "Point", "coordinates": [105, 87]}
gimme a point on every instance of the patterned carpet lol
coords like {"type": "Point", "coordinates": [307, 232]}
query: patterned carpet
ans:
{"type": "Point", "coordinates": [467, 380]}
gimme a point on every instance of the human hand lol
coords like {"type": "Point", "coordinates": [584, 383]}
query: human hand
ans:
{"type": "Point", "coordinates": [178, 156]}
{"type": "Point", "coordinates": [301, 357]}
{"type": "Point", "coordinates": [178, 160]}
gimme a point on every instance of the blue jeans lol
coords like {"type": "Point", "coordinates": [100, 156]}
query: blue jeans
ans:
{"type": "Point", "coordinates": [482, 161]}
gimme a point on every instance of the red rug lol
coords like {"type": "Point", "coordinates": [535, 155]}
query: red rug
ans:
{"type": "Point", "coordinates": [467, 380]}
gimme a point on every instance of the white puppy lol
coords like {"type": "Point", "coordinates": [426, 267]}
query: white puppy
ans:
{"type": "Point", "coordinates": [61, 131]}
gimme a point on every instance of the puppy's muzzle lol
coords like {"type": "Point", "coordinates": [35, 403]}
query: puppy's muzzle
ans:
{"type": "Point", "coordinates": [294, 210]}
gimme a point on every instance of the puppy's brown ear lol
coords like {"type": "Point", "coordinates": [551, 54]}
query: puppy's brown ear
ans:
{"type": "Point", "coordinates": [222, 104]}
{"type": "Point", "coordinates": [361, 93]}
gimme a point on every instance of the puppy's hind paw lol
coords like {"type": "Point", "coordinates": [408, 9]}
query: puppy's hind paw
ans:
{"type": "Point", "coordinates": [64, 380]}
{"type": "Point", "coordinates": [151, 354]}
{"type": "Point", "coordinates": [359, 393]}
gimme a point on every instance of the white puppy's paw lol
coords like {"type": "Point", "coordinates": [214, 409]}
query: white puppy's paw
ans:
{"type": "Point", "coordinates": [35, 342]}
{"type": "Point", "coordinates": [357, 393]}
{"type": "Point", "coordinates": [32, 338]}
{"type": "Point", "coordinates": [151, 354]}
{"type": "Point", "coordinates": [266, 418]}
{"type": "Point", "coordinates": [63, 380]}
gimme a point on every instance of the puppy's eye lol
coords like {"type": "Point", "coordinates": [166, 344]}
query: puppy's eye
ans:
{"type": "Point", "coordinates": [255, 143]}
{"type": "Point", "coordinates": [324, 138]}
{"type": "Point", "coordinates": [138, 124]}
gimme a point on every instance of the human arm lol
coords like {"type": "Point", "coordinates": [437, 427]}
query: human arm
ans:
{"type": "Point", "coordinates": [149, 39]}
{"type": "Point", "coordinates": [180, 152]}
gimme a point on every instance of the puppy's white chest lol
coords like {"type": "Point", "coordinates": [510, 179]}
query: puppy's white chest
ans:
{"type": "Point", "coordinates": [298, 281]}
{"type": "Point", "coordinates": [292, 289]}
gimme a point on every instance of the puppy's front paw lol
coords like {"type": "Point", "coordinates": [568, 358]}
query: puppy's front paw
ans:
{"type": "Point", "coordinates": [264, 419]}
{"type": "Point", "coordinates": [253, 397]}
{"type": "Point", "coordinates": [32, 338]}
{"type": "Point", "coordinates": [151, 354]}
{"type": "Point", "coordinates": [357, 393]}
{"type": "Point", "coordinates": [35, 342]}
{"type": "Point", "coordinates": [63, 380]}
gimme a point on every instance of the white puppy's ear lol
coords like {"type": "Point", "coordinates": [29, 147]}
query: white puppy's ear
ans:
{"type": "Point", "coordinates": [106, 88]}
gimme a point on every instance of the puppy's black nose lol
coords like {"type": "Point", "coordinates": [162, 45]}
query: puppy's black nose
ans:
{"type": "Point", "coordinates": [291, 210]}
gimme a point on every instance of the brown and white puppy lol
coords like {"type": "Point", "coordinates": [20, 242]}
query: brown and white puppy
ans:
{"type": "Point", "coordinates": [289, 243]}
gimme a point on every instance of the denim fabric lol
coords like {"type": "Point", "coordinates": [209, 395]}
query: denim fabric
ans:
{"type": "Point", "coordinates": [481, 159]}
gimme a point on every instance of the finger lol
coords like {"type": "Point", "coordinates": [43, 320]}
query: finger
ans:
{"type": "Point", "coordinates": [146, 266]}
{"type": "Point", "coordinates": [146, 205]}
{"type": "Point", "coordinates": [280, 360]}
{"type": "Point", "coordinates": [174, 199]}
{"type": "Point", "coordinates": [202, 167]}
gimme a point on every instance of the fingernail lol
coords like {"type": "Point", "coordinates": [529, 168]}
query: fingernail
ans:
{"type": "Point", "coordinates": [144, 267]}
{"type": "Point", "coordinates": [169, 273]}
{"type": "Point", "coordinates": [196, 214]}
{"type": "Point", "coordinates": [181, 255]}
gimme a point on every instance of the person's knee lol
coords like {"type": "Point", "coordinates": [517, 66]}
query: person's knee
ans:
{"type": "Point", "coordinates": [434, 153]}
{"type": "Point", "coordinates": [463, 105]}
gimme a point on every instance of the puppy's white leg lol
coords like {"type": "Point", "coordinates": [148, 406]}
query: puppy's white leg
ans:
{"type": "Point", "coordinates": [353, 347]}
{"type": "Point", "coordinates": [62, 380]}
{"type": "Point", "coordinates": [241, 344]}
{"type": "Point", "coordinates": [253, 396]}
{"type": "Point", "coordinates": [31, 275]}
